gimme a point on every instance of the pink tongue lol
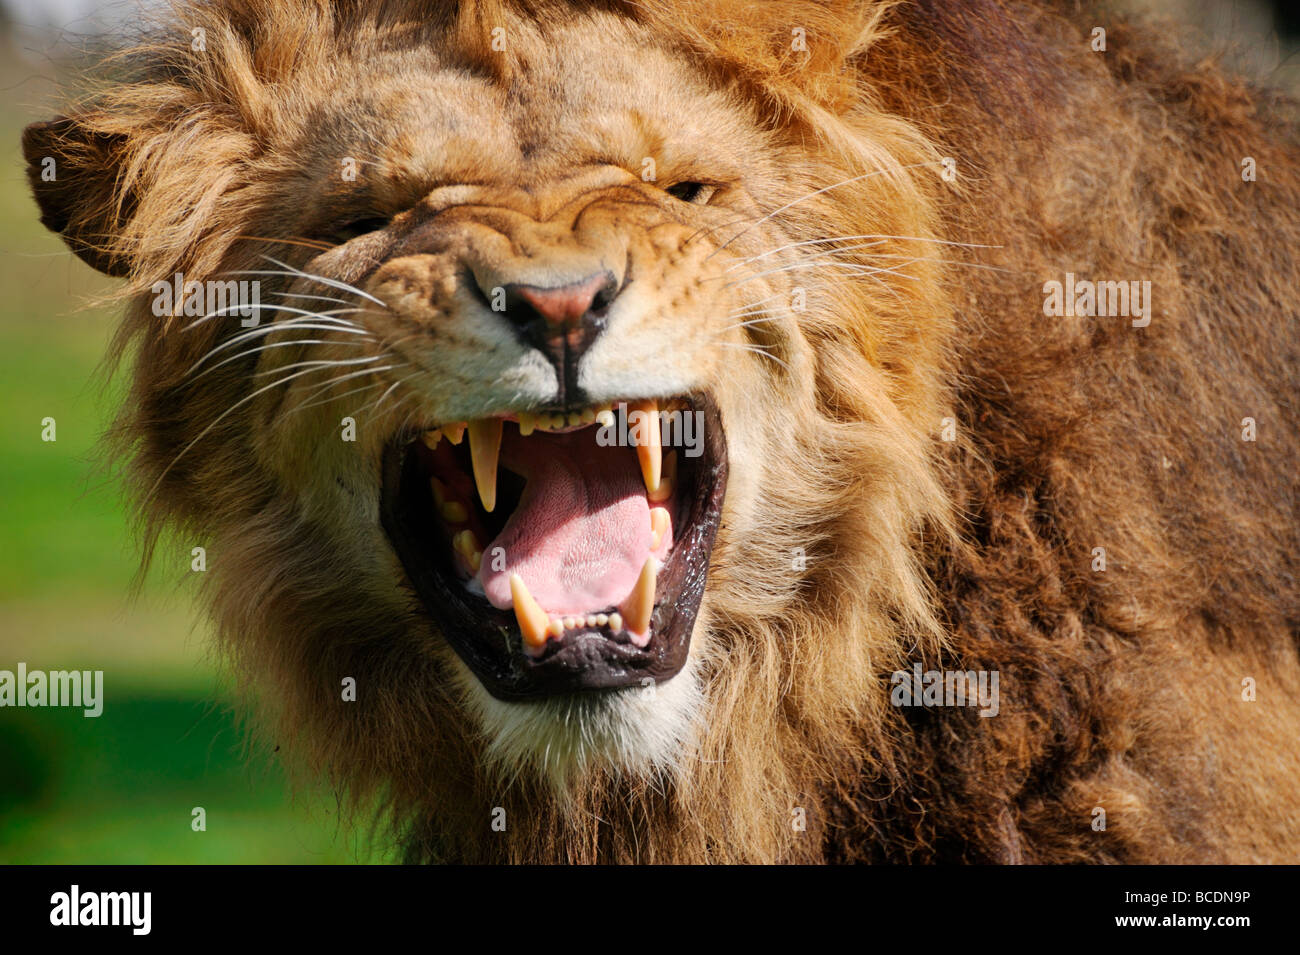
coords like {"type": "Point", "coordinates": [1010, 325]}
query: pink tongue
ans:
{"type": "Point", "coordinates": [581, 532]}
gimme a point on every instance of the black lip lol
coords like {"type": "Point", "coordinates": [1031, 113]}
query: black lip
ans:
{"type": "Point", "coordinates": [488, 639]}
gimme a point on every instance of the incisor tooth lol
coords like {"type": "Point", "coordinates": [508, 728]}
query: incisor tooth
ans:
{"type": "Point", "coordinates": [431, 438]}
{"type": "Point", "coordinates": [616, 622]}
{"type": "Point", "coordinates": [526, 424]}
{"type": "Point", "coordinates": [532, 619]}
{"type": "Point", "coordinates": [658, 526]}
{"type": "Point", "coordinates": [454, 432]}
{"type": "Point", "coordinates": [484, 447]}
{"type": "Point", "coordinates": [605, 418]}
{"type": "Point", "coordinates": [649, 451]}
{"type": "Point", "coordinates": [638, 605]}
{"type": "Point", "coordinates": [556, 628]}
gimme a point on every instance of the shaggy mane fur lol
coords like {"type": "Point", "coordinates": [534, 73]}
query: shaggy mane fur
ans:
{"type": "Point", "coordinates": [1120, 690]}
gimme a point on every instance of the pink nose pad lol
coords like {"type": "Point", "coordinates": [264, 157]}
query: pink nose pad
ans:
{"type": "Point", "coordinates": [567, 304]}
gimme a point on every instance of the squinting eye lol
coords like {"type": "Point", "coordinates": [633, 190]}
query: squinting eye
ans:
{"type": "Point", "coordinates": [362, 226]}
{"type": "Point", "coordinates": [696, 192]}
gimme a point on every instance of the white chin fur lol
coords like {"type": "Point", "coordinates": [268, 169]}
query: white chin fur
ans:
{"type": "Point", "coordinates": [637, 731]}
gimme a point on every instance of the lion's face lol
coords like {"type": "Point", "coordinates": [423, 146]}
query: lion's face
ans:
{"type": "Point", "coordinates": [548, 314]}
{"type": "Point", "coordinates": [531, 409]}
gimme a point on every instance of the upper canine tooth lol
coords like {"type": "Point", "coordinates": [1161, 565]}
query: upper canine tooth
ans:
{"type": "Point", "coordinates": [484, 448]}
{"type": "Point", "coordinates": [533, 621]}
{"type": "Point", "coordinates": [649, 452]}
{"type": "Point", "coordinates": [640, 603]}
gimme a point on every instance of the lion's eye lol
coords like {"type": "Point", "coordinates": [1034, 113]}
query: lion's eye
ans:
{"type": "Point", "coordinates": [357, 227]}
{"type": "Point", "coordinates": [696, 192]}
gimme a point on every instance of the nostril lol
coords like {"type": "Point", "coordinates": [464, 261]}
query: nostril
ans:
{"type": "Point", "coordinates": [560, 307]}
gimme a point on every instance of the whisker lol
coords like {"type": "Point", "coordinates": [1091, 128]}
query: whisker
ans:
{"type": "Point", "coordinates": [265, 347]}
{"type": "Point", "coordinates": [845, 266]}
{"type": "Point", "coordinates": [814, 194]}
{"type": "Point", "coordinates": [275, 307]}
{"type": "Point", "coordinates": [373, 408]}
{"type": "Point", "coordinates": [333, 398]}
{"type": "Point", "coordinates": [342, 378]}
{"type": "Point", "coordinates": [333, 283]}
{"type": "Point", "coordinates": [321, 298]}
{"type": "Point", "coordinates": [796, 245]}
{"type": "Point", "coordinates": [306, 243]}
{"type": "Point", "coordinates": [297, 323]}
{"type": "Point", "coordinates": [752, 321]}
{"type": "Point", "coordinates": [322, 363]}
{"type": "Point", "coordinates": [756, 349]}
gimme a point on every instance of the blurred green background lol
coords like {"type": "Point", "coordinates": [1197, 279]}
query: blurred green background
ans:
{"type": "Point", "coordinates": [118, 788]}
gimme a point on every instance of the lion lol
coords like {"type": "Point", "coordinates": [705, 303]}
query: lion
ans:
{"type": "Point", "coordinates": [810, 431]}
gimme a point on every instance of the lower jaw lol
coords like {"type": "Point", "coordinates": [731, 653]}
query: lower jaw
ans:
{"type": "Point", "coordinates": [488, 639]}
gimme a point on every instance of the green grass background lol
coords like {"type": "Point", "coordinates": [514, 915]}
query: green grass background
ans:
{"type": "Point", "coordinates": [118, 788]}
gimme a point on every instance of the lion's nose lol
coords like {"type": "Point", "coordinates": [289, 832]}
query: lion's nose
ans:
{"type": "Point", "coordinates": [562, 322]}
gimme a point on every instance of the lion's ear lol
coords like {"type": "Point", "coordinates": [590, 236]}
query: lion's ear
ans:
{"type": "Point", "coordinates": [74, 173]}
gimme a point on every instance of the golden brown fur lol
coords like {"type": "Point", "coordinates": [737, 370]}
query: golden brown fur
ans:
{"type": "Point", "coordinates": [1120, 690]}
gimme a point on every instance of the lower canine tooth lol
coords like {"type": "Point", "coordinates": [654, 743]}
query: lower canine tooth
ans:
{"type": "Point", "coordinates": [533, 623]}
{"type": "Point", "coordinates": [640, 603]}
{"type": "Point", "coordinates": [649, 450]}
{"type": "Point", "coordinates": [659, 522]}
{"type": "Point", "coordinates": [667, 482]}
{"type": "Point", "coordinates": [484, 449]}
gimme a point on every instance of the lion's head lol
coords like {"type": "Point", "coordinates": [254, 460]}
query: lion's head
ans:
{"type": "Point", "coordinates": [492, 243]}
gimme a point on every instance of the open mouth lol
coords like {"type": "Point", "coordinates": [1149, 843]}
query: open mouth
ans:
{"type": "Point", "coordinates": [562, 551]}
